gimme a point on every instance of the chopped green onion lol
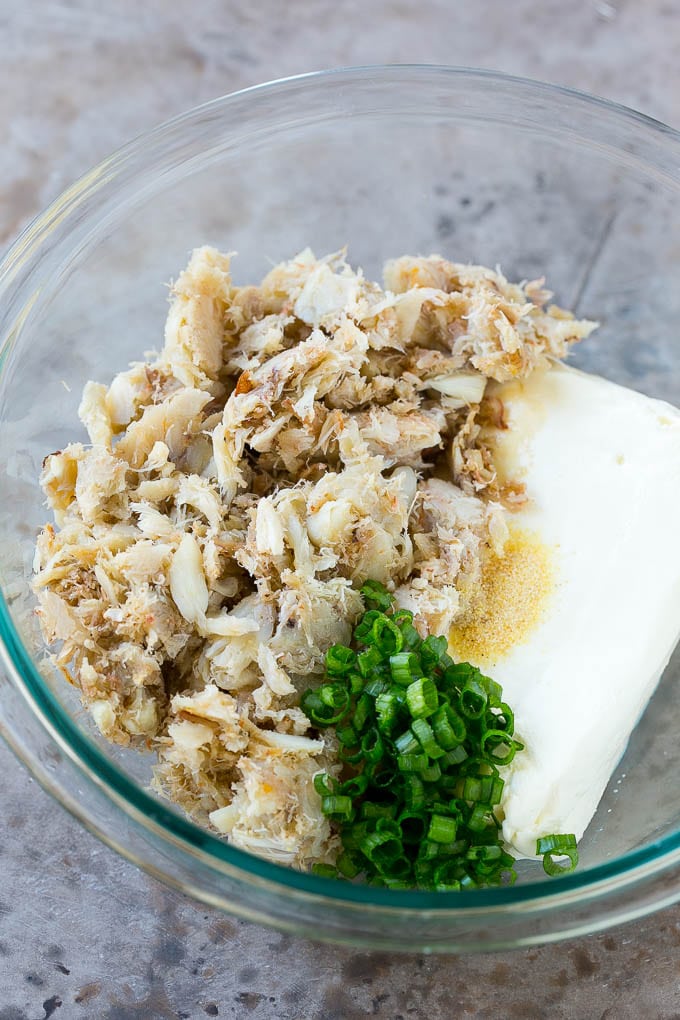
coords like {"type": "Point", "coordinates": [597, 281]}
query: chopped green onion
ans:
{"type": "Point", "coordinates": [324, 784]}
{"type": "Point", "coordinates": [423, 731]}
{"type": "Point", "coordinates": [387, 710]}
{"type": "Point", "coordinates": [507, 859]}
{"type": "Point", "coordinates": [348, 866]}
{"type": "Point", "coordinates": [324, 870]}
{"type": "Point", "coordinates": [431, 773]}
{"type": "Point", "coordinates": [381, 847]}
{"type": "Point", "coordinates": [334, 695]}
{"type": "Point", "coordinates": [476, 788]}
{"type": "Point", "coordinates": [315, 704]}
{"type": "Point", "coordinates": [478, 820]}
{"type": "Point", "coordinates": [478, 764]}
{"type": "Point", "coordinates": [352, 836]}
{"type": "Point", "coordinates": [388, 825]}
{"type": "Point", "coordinates": [401, 616]}
{"type": "Point", "coordinates": [362, 712]}
{"type": "Point", "coordinates": [442, 807]}
{"type": "Point", "coordinates": [355, 682]}
{"type": "Point", "coordinates": [431, 651]}
{"type": "Point", "coordinates": [356, 786]}
{"type": "Point", "coordinates": [413, 825]}
{"type": "Point", "coordinates": [350, 757]}
{"type": "Point", "coordinates": [423, 740]}
{"type": "Point", "coordinates": [490, 852]}
{"type": "Point", "coordinates": [372, 746]}
{"type": "Point", "coordinates": [376, 595]}
{"type": "Point", "coordinates": [550, 847]}
{"type": "Point", "coordinates": [454, 757]}
{"type": "Point", "coordinates": [347, 735]}
{"type": "Point", "coordinates": [496, 790]}
{"type": "Point", "coordinates": [449, 728]}
{"type": "Point", "coordinates": [371, 809]}
{"type": "Point", "coordinates": [428, 850]}
{"type": "Point", "coordinates": [337, 807]}
{"type": "Point", "coordinates": [365, 625]}
{"type": "Point", "coordinates": [512, 747]}
{"type": "Point", "coordinates": [473, 700]}
{"type": "Point", "coordinates": [403, 667]}
{"type": "Point", "coordinates": [386, 636]}
{"type": "Point", "coordinates": [414, 791]}
{"type": "Point", "coordinates": [382, 778]}
{"type": "Point", "coordinates": [368, 661]}
{"type": "Point", "coordinates": [387, 703]}
{"type": "Point", "coordinates": [458, 849]}
{"type": "Point", "coordinates": [395, 871]}
{"type": "Point", "coordinates": [444, 878]}
{"type": "Point", "coordinates": [504, 718]}
{"type": "Point", "coordinates": [459, 673]}
{"type": "Point", "coordinates": [423, 874]}
{"type": "Point", "coordinates": [493, 738]}
{"type": "Point", "coordinates": [407, 743]}
{"type": "Point", "coordinates": [442, 829]}
{"type": "Point", "coordinates": [421, 697]}
{"type": "Point", "coordinates": [494, 691]}
{"type": "Point", "coordinates": [410, 635]}
{"type": "Point", "coordinates": [412, 762]}
{"type": "Point", "coordinates": [404, 621]}
{"type": "Point", "coordinates": [376, 687]}
{"type": "Point", "coordinates": [339, 660]}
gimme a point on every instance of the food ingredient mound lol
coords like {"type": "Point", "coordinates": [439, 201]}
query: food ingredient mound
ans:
{"type": "Point", "coordinates": [423, 740]}
{"type": "Point", "coordinates": [290, 440]}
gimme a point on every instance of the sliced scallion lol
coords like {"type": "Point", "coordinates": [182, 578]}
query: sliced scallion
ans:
{"type": "Point", "coordinates": [554, 846]}
{"type": "Point", "coordinates": [421, 697]}
{"type": "Point", "coordinates": [426, 738]}
{"type": "Point", "coordinates": [442, 829]}
{"type": "Point", "coordinates": [404, 667]}
{"type": "Point", "coordinates": [339, 660]}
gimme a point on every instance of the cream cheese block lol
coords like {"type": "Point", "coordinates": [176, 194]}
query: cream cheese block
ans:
{"type": "Point", "coordinates": [601, 469]}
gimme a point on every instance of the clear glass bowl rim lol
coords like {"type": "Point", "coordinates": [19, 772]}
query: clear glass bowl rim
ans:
{"type": "Point", "coordinates": [142, 807]}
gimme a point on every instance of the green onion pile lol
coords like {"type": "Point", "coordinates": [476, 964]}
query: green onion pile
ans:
{"type": "Point", "coordinates": [422, 739]}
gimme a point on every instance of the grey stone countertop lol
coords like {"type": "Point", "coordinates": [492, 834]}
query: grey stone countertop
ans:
{"type": "Point", "coordinates": [79, 78]}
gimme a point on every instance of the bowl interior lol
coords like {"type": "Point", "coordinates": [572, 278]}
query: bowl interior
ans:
{"type": "Point", "coordinates": [471, 173]}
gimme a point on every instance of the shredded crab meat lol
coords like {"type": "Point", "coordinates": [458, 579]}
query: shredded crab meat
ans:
{"type": "Point", "coordinates": [290, 441]}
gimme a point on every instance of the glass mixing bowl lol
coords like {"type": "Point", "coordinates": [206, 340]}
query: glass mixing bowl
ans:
{"type": "Point", "coordinates": [476, 166]}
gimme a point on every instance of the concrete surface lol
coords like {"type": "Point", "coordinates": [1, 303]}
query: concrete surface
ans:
{"type": "Point", "coordinates": [79, 78]}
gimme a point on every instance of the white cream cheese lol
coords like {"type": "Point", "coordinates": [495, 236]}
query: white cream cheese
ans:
{"type": "Point", "coordinates": [601, 466]}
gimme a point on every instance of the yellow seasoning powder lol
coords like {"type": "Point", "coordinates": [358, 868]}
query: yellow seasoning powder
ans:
{"type": "Point", "coordinates": [508, 603]}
